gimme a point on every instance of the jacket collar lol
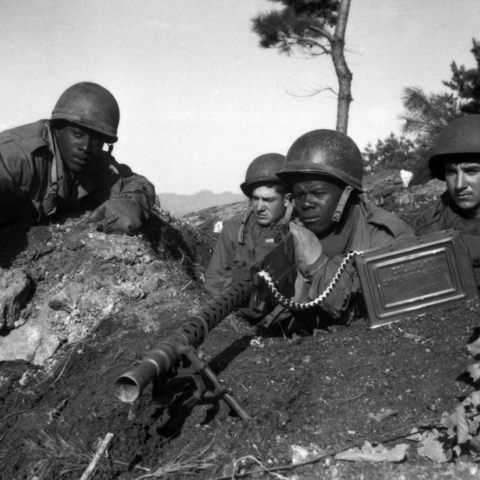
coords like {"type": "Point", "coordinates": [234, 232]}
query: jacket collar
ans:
{"type": "Point", "coordinates": [70, 187]}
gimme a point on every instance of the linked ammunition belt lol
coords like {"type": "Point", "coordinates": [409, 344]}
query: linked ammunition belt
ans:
{"type": "Point", "coordinates": [285, 302]}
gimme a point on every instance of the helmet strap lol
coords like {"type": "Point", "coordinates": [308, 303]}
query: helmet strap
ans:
{"type": "Point", "coordinates": [288, 212]}
{"type": "Point", "coordinates": [337, 215]}
{"type": "Point", "coordinates": [246, 216]}
{"type": "Point", "coordinates": [110, 148]}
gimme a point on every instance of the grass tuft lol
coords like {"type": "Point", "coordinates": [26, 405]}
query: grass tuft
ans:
{"type": "Point", "coordinates": [184, 463]}
{"type": "Point", "coordinates": [52, 457]}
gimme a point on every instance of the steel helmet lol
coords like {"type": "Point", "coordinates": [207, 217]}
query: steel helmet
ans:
{"type": "Point", "coordinates": [325, 152]}
{"type": "Point", "coordinates": [91, 106]}
{"type": "Point", "coordinates": [461, 136]}
{"type": "Point", "coordinates": [262, 169]}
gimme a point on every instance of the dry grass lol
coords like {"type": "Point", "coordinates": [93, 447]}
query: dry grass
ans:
{"type": "Point", "coordinates": [52, 457]}
{"type": "Point", "coordinates": [185, 463]}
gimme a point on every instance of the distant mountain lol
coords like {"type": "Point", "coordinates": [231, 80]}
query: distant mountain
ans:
{"type": "Point", "coordinates": [180, 205]}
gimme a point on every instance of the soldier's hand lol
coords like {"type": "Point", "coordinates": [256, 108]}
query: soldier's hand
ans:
{"type": "Point", "coordinates": [308, 249]}
{"type": "Point", "coordinates": [119, 215]}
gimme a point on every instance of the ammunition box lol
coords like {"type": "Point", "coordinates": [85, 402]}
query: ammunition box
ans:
{"type": "Point", "coordinates": [414, 276]}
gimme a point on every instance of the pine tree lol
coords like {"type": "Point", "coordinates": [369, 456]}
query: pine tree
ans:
{"type": "Point", "coordinates": [466, 83]}
{"type": "Point", "coordinates": [312, 28]}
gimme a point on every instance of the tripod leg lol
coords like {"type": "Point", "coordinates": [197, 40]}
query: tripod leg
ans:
{"type": "Point", "coordinates": [220, 390]}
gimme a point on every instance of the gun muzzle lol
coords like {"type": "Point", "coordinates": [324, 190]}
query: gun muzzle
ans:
{"type": "Point", "coordinates": [163, 358]}
{"type": "Point", "coordinates": [158, 363]}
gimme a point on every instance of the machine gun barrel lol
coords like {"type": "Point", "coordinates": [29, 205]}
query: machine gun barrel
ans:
{"type": "Point", "coordinates": [162, 359]}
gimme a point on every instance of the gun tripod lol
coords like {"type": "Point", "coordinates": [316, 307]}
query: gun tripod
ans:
{"type": "Point", "coordinates": [165, 391]}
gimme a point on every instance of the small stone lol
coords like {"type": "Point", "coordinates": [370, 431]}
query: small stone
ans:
{"type": "Point", "coordinates": [74, 243]}
{"type": "Point", "coordinates": [67, 299]}
{"type": "Point", "coordinates": [21, 321]}
{"type": "Point", "coordinates": [14, 291]}
{"type": "Point", "coordinates": [283, 417]}
{"type": "Point", "coordinates": [152, 283]}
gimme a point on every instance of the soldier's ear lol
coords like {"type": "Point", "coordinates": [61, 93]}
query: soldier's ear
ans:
{"type": "Point", "coordinates": [288, 199]}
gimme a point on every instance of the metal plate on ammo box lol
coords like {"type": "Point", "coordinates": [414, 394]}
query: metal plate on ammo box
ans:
{"type": "Point", "coordinates": [415, 275]}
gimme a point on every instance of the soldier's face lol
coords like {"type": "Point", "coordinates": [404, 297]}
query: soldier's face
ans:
{"type": "Point", "coordinates": [316, 199]}
{"type": "Point", "coordinates": [269, 206]}
{"type": "Point", "coordinates": [78, 146]}
{"type": "Point", "coordinates": [463, 184]}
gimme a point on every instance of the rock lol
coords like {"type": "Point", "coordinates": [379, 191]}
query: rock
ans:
{"type": "Point", "coordinates": [67, 299]}
{"type": "Point", "coordinates": [152, 283]}
{"type": "Point", "coordinates": [427, 193]}
{"type": "Point", "coordinates": [304, 454]}
{"type": "Point", "coordinates": [14, 290]}
{"type": "Point", "coordinates": [74, 243]}
{"type": "Point", "coordinates": [129, 291]}
{"type": "Point", "coordinates": [33, 342]}
{"type": "Point", "coordinates": [382, 184]}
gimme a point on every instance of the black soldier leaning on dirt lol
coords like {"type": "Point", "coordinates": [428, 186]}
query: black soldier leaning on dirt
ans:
{"type": "Point", "coordinates": [269, 211]}
{"type": "Point", "coordinates": [455, 159]}
{"type": "Point", "coordinates": [49, 166]}
{"type": "Point", "coordinates": [324, 170]}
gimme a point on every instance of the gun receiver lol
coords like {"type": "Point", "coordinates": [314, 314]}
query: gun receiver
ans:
{"type": "Point", "coordinates": [162, 363]}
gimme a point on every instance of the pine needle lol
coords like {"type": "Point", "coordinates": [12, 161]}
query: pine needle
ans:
{"type": "Point", "coordinates": [184, 464]}
{"type": "Point", "coordinates": [53, 456]}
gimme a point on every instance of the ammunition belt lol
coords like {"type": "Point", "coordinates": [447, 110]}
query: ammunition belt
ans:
{"type": "Point", "coordinates": [285, 302]}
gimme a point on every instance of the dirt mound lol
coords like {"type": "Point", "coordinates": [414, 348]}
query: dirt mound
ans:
{"type": "Point", "coordinates": [310, 396]}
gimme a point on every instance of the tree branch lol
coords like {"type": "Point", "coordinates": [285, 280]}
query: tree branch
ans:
{"type": "Point", "coordinates": [321, 33]}
{"type": "Point", "coordinates": [316, 92]}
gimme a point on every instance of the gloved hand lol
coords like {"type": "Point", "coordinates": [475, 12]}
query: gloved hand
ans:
{"type": "Point", "coordinates": [119, 215]}
{"type": "Point", "coordinates": [308, 249]}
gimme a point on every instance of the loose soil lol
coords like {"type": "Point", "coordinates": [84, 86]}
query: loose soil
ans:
{"type": "Point", "coordinates": [317, 392]}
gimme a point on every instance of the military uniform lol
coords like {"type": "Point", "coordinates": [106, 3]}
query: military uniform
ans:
{"type": "Point", "coordinates": [324, 169]}
{"type": "Point", "coordinates": [34, 181]}
{"type": "Point", "coordinates": [458, 142]}
{"type": "Point", "coordinates": [367, 226]}
{"type": "Point", "coordinates": [445, 214]}
{"type": "Point", "coordinates": [238, 242]}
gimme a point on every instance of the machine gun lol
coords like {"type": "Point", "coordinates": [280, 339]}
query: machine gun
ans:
{"type": "Point", "coordinates": [178, 357]}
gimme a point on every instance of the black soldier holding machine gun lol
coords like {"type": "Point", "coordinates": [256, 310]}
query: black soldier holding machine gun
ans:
{"type": "Point", "coordinates": [324, 168]}
{"type": "Point", "coordinates": [260, 241]}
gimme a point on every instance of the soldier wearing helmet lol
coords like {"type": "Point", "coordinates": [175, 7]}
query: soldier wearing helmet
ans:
{"type": "Point", "coordinates": [455, 159]}
{"type": "Point", "coordinates": [48, 166]}
{"type": "Point", "coordinates": [269, 209]}
{"type": "Point", "coordinates": [257, 229]}
{"type": "Point", "coordinates": [323, 169]}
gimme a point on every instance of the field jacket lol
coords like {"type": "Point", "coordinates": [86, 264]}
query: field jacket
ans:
{"type": "Point", "coordinates": [373, 227]}
{"type": "Point", "coordinates": [444, 214]}
{"type": "Point", "coordinates": [35, 183]}
{"type": "Point", "coordinates": [240, 236]}
{"type": "Point", "coordinates": [242, 240]}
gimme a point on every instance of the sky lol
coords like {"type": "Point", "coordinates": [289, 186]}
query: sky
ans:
{"type": "Point", "coordinates": [199, 98]}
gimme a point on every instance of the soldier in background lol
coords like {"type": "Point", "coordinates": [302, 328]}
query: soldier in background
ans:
{"type": "Point", "coordinates": [455, 159]}
{"type": "Point", "coordinates": [49, 166]}
{"type": "Point", "coordinates": [260, 226]}
{"type": "Point", "coordinates": [270, 208]}
{"type": "Point", "coordinates": [323, 169]}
